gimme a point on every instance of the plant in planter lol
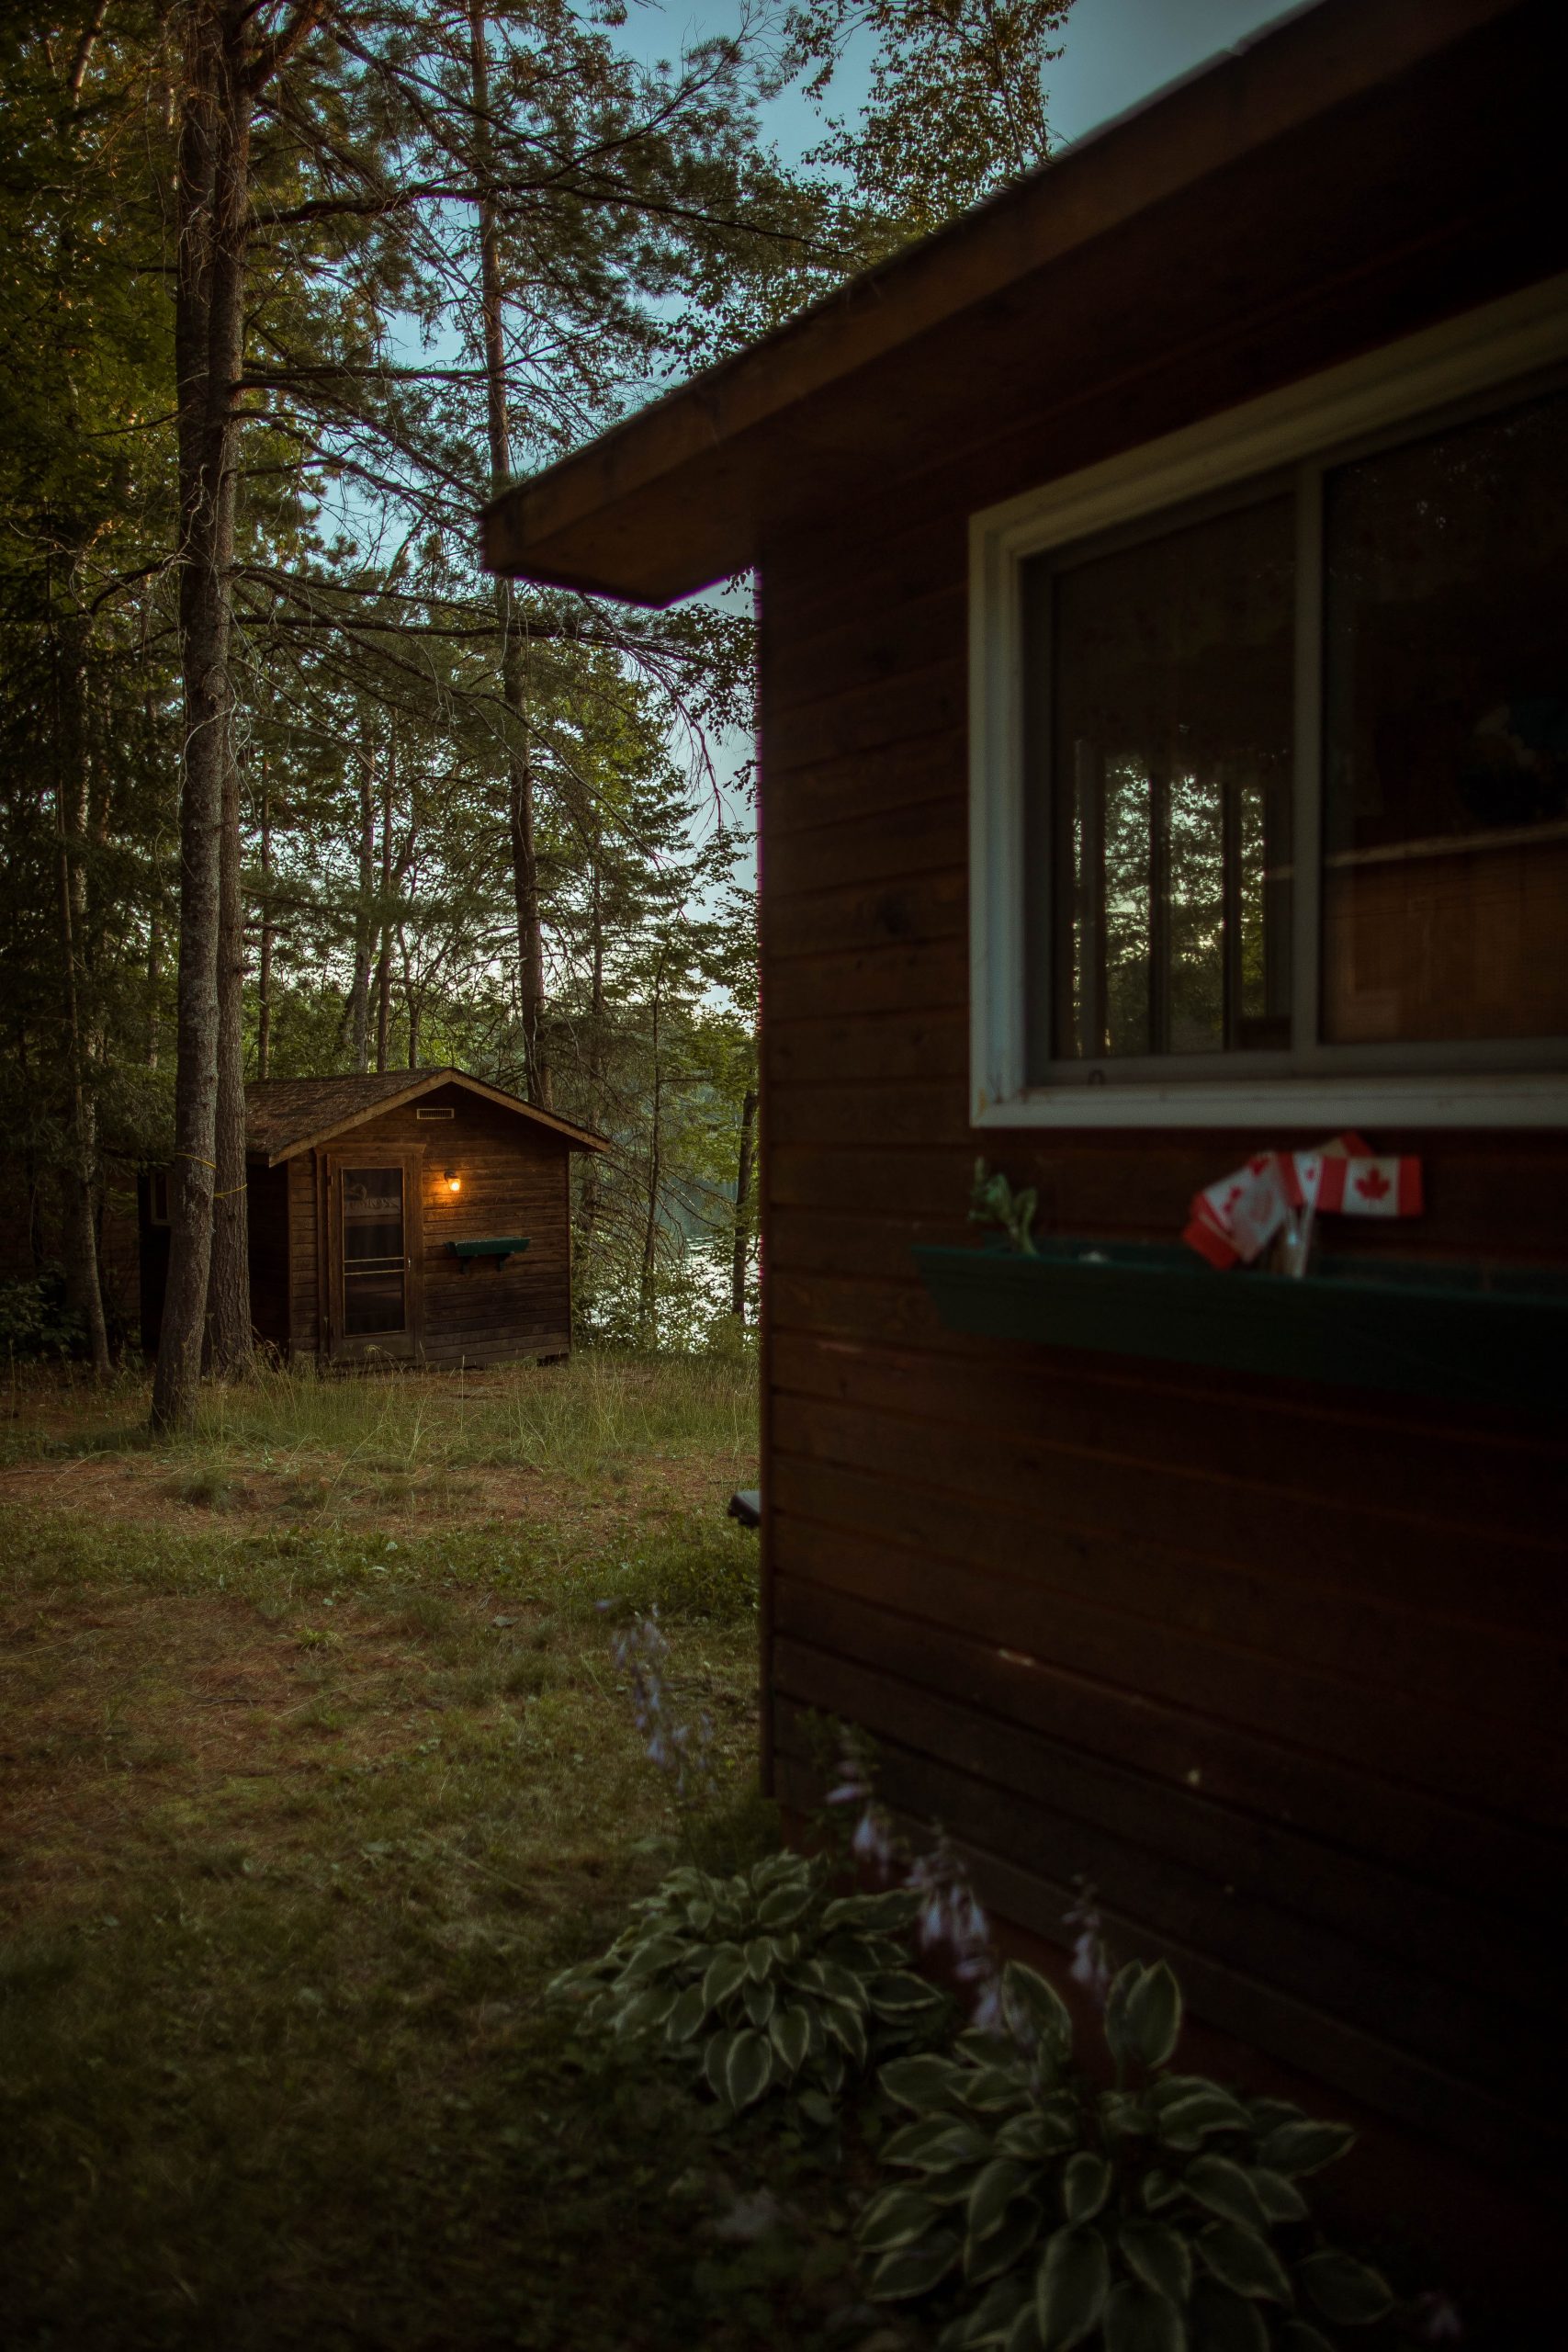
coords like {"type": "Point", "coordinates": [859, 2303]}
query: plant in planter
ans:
{"type": "Point", "coordinates": [1164, 2214]}
{"type": "Point", "coordinates": [763, 1982]}
{"type": "Point", "coordinates": [992, 1200]}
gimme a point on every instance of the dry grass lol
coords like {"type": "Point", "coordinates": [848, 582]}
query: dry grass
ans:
{"type": "Point", "coordinates": [312, 1770]}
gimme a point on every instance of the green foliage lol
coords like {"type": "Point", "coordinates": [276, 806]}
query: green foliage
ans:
{"type": "Point", "coordinates": [279, 2032]}
{"type": "Point", "coordinates": [993, 1201]}
{"type": "Point", "coordinates": [35, 1322]}
{"type": "Point", "coordinates": [701, 1569]}
{"type": "Point", "coordinates": [1164, 2214]}
{"type": "Point", "coordinates": [955, 109]}
{"type": "Point", "coordinates": [762, 1983]}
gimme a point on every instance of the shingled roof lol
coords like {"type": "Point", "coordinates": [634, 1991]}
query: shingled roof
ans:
{"type": "Point", "coordinates": [287, 1115]}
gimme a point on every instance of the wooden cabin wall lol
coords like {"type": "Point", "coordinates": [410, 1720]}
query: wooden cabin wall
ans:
{"type": "Point", "coordinates": [514, 1180]}
{"type": "Point", "coordinates": [304, 1270]}
{"type": "Point", "coordinates": [267, 1222]}
{"type": "Point", "coordinates": [1277, 1667]}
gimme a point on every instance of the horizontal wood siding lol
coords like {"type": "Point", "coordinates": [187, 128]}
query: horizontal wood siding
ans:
{"type": "Point", "coordinates": [514, 1181]}
{"type": "Point", "coordinates": [304, 1266]}
{"type": "Point", "coordinates": [1280, 1668]}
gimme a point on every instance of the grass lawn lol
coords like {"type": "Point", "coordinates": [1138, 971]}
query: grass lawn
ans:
{"type": "Point", "coordinates": [314, 1769]}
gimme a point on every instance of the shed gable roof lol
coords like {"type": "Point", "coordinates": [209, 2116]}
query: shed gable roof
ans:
{"type": "Point", "coordinates": [285, 1116]}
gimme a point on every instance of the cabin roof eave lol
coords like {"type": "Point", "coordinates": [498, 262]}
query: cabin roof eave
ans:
{"type": "Point", "coordinates": [420, 1083]}
{"type": "Point", "coordinates": [691, 489]}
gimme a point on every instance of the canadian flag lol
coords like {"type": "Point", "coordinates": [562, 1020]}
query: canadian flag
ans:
{"type": "Point", "coordinates": [1362, 1187]}
{"type": "Point", "coordinates": [1233, 1222]}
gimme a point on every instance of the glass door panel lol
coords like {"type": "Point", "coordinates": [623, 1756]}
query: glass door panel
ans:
{"type": "Point", "coordinates": [375, 1252]}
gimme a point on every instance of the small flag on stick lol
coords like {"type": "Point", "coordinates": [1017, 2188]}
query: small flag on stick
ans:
{"type": "Point", "coordinates": [1233, 1222]}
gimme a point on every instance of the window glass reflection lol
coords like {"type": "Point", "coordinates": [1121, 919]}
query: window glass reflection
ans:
{"type": "Point", "coordinates": [1172, 727]}
{"type": "Point", "coordinates": [1446, 735]}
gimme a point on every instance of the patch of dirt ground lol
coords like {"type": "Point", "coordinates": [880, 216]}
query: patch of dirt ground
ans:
{"type": "Point", "coordinates": [477, 1495]}
{"type": "Point", "coordinates": [117, 1719]}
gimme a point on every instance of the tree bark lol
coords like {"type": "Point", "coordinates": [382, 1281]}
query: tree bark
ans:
{"type": "Point", "coordinates": [263, 964]}
{"type": "Point", "coordinates": [359, 996]}
{"type": "Point", "coordinates": [154, 975]}
{"type": "Point", "coordinates": [589, 1222]}
{"type": "Point", "coordinates": [82, 56]}
{"type": "Point", "coordinates": [648, 1311]}
{"type": "Point", "coordinates": [222, 78]}
{"type": "Point", "coordinates": [384, 958]}
{"type": "Point", "coordinates": [513, 631]}
{"type": "Point", "coordinates": [229, 1335]}
{"type": "Point", "coordinates": [79, 1237]}
{"type": "Point", "coordinates": [211, 229]}
{"type": "Point", "coordinates": [79, 1242]}
{"type": "Point", "coordinates": [744, 1205]}
{"type": "Point", "coordinates": [413, 998]}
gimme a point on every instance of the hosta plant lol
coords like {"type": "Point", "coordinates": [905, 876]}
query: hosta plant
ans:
{"type": "Point", "coordinates": [1164, 2214]}
{"type": "Point", "coordinates": [765, 1981]}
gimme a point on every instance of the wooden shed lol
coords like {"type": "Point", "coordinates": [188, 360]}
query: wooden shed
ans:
{"type": "Point", "coordinates": [1164, 597]}
{"type": "Point", "coordinates": [415, 1215]}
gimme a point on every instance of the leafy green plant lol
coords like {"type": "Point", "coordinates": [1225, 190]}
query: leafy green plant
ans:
{"type": "Point", "coordinates": [35, 1322]}
{"type": "Point", "coordinates": [992, 1200]}
{"type": "Point", "coordinates": [761, 1982]}
{"type": "Point", "coordinates": [1164, 2214]}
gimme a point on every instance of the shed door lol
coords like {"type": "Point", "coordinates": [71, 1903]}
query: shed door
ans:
{"type": "Point", "coordinates": [376, 1280]}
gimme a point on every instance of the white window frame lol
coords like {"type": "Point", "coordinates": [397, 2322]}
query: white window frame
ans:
{"type": "Point", "coordinates": [1462, 1085]}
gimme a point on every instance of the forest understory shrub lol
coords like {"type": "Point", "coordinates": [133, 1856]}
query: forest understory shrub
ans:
{"type": "Point", "coordinates": [1042, 2210]}
{"type": "Point", "coordinates": [36, 1325]}
{"type": "Point", "coordinates": [1025, 2203]}
{"type": "Point", "coordinates": [762, 1982]}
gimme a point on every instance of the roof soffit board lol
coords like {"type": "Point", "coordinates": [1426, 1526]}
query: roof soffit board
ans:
{"type": "Point", "coordinates": [577, 1138]}
{"type": "Point", "coordinates": [1163, 353]}
{"type": "Point", "coordinates": [588, 522]}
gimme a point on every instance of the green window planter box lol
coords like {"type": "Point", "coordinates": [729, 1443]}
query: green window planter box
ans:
{"type": "Point", "coordinates": [497, 1251]}
{"type": "Point", "coordinates": [1431, 1330]}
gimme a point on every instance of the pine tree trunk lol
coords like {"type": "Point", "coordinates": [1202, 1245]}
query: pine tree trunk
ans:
{"type": "Point", "coordinates": [647, 1307]}
{"type": "Point", "coordinates": [209, 338]}
{"type": "Point", "coordinates": [588, 1225]}
{"type": "Point", "coordinates": [264, 965]}
{"type": "Point", "coordinates": [154, 976]}
{"type": "Point", "coordinates": [744, 1205]}
{"type": "Point", "coordinates": [359, 996]}
{"type": "Point", "coordinates": [228, 1342]}
{"type": "Point", "coordinates": [384, 959]}
{"type": "Point", "coordinates": [412, 999]}
{"type": "Point", "coordinates": [514, 633]}
{"type": "Point", "coordinates": [525, 879]}
{"type": "Point", "coordinates": [79, 1244]}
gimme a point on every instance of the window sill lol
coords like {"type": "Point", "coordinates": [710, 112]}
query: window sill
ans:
{"type": "Point", "coordinates": [1499, 1099]}
{"type": "Point", "coordinates": [1430, 1330]}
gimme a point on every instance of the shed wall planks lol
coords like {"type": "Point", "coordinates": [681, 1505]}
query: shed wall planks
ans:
{"type": "Point", "coordinates": [513, 1180]}
{"type": "Point", "coordinates": [305, 1288]}
{"type": "Point", "coordinates": [1281, 1669]}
